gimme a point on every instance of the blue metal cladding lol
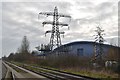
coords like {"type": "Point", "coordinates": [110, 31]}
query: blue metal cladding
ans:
{"type": "Point", "coordinates": [83, 48]}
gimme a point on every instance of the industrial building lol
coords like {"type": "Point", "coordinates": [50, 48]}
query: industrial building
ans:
{"type": "Point", "coordinates": [82, 48]}
{"type": "Point", "coordinates": [79, 48]}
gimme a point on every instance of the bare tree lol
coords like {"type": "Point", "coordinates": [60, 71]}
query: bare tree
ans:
{"type": "Point", "coordinates": [24, 48]}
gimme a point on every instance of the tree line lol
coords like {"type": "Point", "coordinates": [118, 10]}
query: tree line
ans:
{"type": "Point", "coordinates": [22, 54]}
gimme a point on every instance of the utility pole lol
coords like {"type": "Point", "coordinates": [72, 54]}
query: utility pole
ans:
{"type": "Point", "coordinates": [55, 40]}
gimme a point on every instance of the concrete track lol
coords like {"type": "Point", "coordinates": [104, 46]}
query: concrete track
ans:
{"type": "Point", "coordinates": [21, 73]}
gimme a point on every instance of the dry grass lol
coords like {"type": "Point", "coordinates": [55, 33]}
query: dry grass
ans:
{"type": "Point", "coordinates": [73, 64]}
{"type": "Point", "coordinates": [92, 73]}
{"type": "Point", "coordinates": [105, 74]}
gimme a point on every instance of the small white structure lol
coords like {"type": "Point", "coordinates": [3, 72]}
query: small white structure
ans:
{"type": "Point", "coordinates": [111, 64]}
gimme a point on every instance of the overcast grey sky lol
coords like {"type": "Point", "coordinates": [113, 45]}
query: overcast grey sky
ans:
{"type": "Point", "coordinates": [21, 18]}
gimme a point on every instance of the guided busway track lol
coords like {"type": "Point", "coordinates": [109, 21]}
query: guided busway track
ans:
{"type": "Point", "coordinates": [53, 74]}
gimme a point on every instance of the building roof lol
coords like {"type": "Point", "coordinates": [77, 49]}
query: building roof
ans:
{"type": "Point", "coordinates": [83, 42]}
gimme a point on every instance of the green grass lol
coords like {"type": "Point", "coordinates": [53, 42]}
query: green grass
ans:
{"type": "Point", "coordinates": [16, 69]}
{"type": "Point", "coordinates": [31, 68]}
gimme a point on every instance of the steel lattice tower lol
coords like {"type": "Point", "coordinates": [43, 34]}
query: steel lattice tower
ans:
{"type": "Point", "coordinates": [98, 50]}
{"type": "Point", "coordinates": [55, 39]}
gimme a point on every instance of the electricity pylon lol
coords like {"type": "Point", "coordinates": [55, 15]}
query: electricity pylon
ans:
{"type": "Point", "coordinates": [55, 39]}
{"type": "Point", "coordinates": [98, 50]}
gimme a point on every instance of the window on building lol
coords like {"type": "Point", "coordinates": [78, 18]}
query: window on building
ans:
{"type": "Point", "coordinates": [80, 52]}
